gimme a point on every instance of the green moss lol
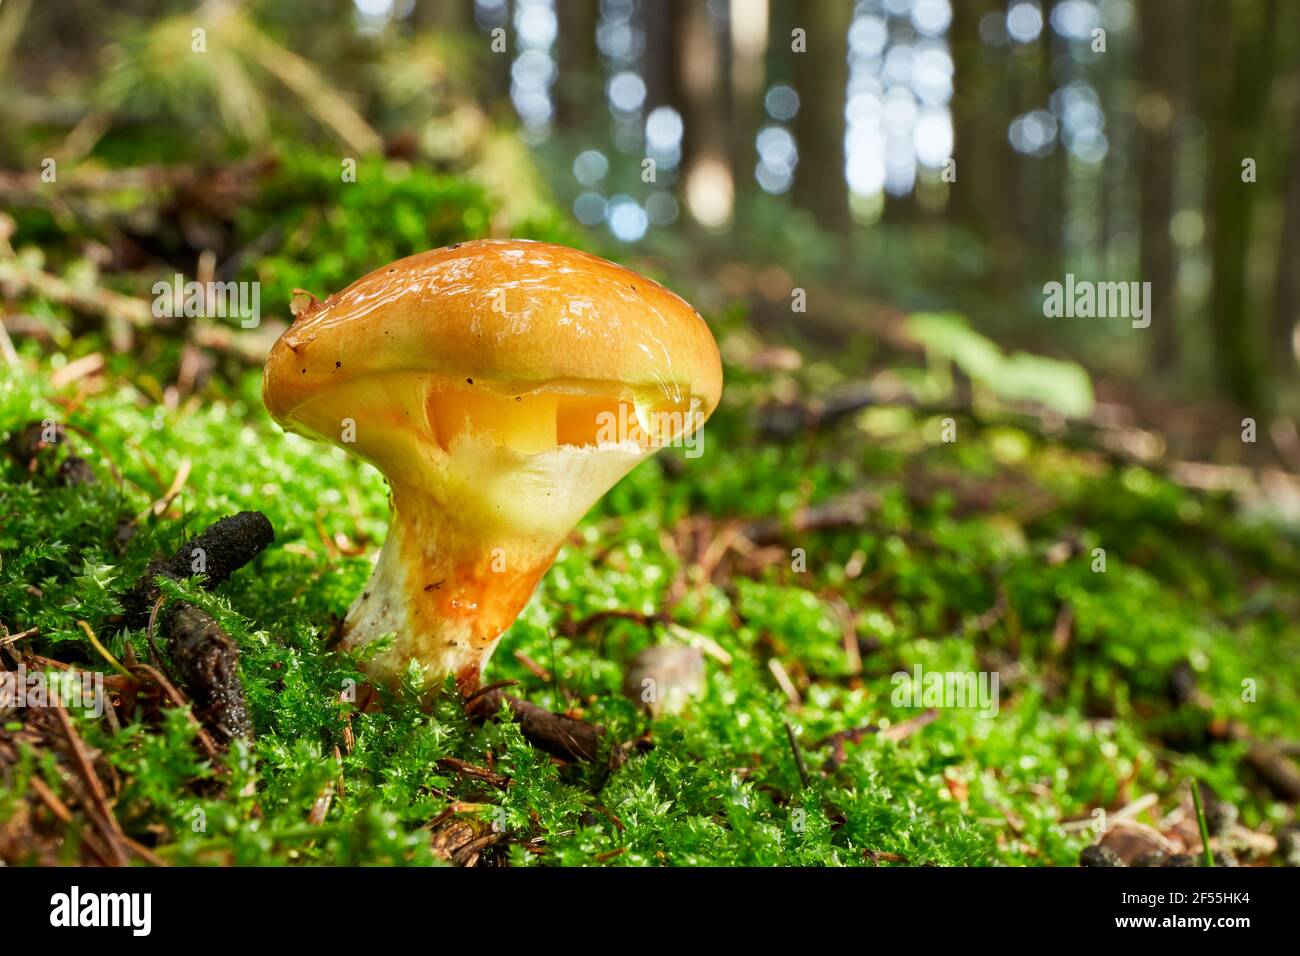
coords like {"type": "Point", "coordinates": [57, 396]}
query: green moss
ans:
{"type": "Point", "coordinates": [935, 577]}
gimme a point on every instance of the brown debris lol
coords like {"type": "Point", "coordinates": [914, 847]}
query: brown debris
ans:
{"type": "Point", "coordinates": [557, 734]}
{"type": "Point", "coordinates": [466, 769]}
{"type": "Point", "coordinates": [877, 856]}
{"type": "Point", "coordinates": [224, 547]}
{"type": "Point", "coordinates": [664, 678]}
{"type": "Point", "coordinates": [462, 840]}
{"type": "Point", "coordinates": [77, 801]}
{"type": "Point", "coordinates": [1276, 771]}
{"type": "Point", "coordinates": [847, 511]}
{"type": "Point", "coordinates": [897, 732]}
{"type": "Point", "coordinates": [207, 660]}
{"type": "Point", "coordinates": [97, 806]}
{"type": "Point", "coordinates": [35, 447]}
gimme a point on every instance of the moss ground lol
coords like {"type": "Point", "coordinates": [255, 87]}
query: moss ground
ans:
{"type": "Point", "coordinates": [976, 555]}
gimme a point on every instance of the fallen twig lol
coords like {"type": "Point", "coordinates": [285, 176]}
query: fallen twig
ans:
{"type": "Point", "coordinates": [847, 511]}
{"type": "Point", "coordinates": [216, 554]}
{"type": "Point", "coordinates": [207, 660]}
{"type": "Point", "coordinates": [8, 639]}
{"type": "Point", "coordinates": [897, 732]}
{"type": "Point", "coordinates": [205, 656]}
{"type": "Point", "coordinates": [176, 697]}
{"type": "Point", "coordinates": [97, 808]}
{"type": "Point", "coordinates": [557, 734]}
{"type": "Point", "coordinates": [798, 755]}
{"type": "Point", "coordinates": [466, 769]}
{"type": "Point", "coordinates": [786, 420]}
{"type": "Point", "coordinates": [1276, 771]}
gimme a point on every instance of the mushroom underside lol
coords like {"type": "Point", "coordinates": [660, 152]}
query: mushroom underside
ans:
{"type": "Point", "coordinates": [486, 483]}
{"type": "Point", "coordinates": [526, 417]}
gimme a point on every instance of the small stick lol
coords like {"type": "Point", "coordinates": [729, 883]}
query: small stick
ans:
{"type": "Point", "coordinates": [321, 808]}
{"type": "Point", "coordinates": [466, 769]}
{"type": "Point", "coordinates": [177, 485]}
{"type": "Point", "coordinates": [798, 755]}
{"type": "Point", "coordinates": [902, 731]}
{"type": "Point", "coordinates": [536, 669]}
{"type": "Point", "coordinates": [177, 698]}
{"type": "Point", "coordinates": [207, 660]}
{"type": "Point", "coordinates": [149, 631]}
{"type": "Point", "coordinates": [14, 638]}
{"type": "Point", "coordinates": [1277, 772]}
{"type": "Point", "coordinates": [484, 691]}
{"type": "Point", "coordinates": [64, 815]}
{"type": "Point", "coordinates": [557, 734]}
{"type": "Point", "coordinates": [103, 651]}
{"type": "Point", "coordinates": [225, 547]}
{"type": "Point", "coordinates": [50, 799]}
{"type": "Point", "coordinates": [143, 852]}
{"type": "Point", "coordinates": [102, 812]}
{"type": "Point", "coordinates": [784, 682]}
{"type": "Point", "coordinates": [7, 350]}
{"type": "Point", "coordinates": [91, 364]}
{"type": "Point", "coordinates": [1201, 821]}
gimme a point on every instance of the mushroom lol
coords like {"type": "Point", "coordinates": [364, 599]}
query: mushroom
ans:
{"type": "Point", "coordinates": [502, 387]}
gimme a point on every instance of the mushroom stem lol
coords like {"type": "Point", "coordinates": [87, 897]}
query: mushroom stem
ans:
{"type": "Point", "coordinates": [446, 599]}
{"type": "Point", "coordinates": [464, 553]}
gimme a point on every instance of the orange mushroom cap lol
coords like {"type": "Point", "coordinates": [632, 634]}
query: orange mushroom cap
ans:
{"type": "Point", "coordinates": [502, 387]}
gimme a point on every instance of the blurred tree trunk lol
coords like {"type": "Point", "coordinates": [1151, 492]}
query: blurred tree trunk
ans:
{"type": "Point", "coordinates": [694, 78]}
{"type": "Point", "coordinates": [980, 118]}
{"type": "Point", "coordinates": [748, 52]}
{"type": "Point", "coordinates": [705, 169]}
{"type": "Point", "coordinates": [660, 21]}
{"type": "Point", "coordinates": [578, 85]}
{"type": "Point", "coordinates": [779, 60]}
{"type": "Point", "coordinates": [443, 15]}
{"type": "Point", "coordinates": [1160, 104]}
{"type": "Point", "coordinates": [1286, 290]}
{"type": "Point", "coordinates": [724, 86]}
{"type": "Point", "coordinates": [904, 210]}
{"type": "Point", "coordinates": [1008, 173]}
{"type": "Point", "coordinates": [1047, 222]}
{"type": "Point", "coordinates": [821, 77]}
{"type": "Point", "coordinates": [964, 40]}
{"type": "Point", "coordinates": [1024, 91]}
{"type": "Point", "coordinates": [663, 78]}
{"type": "Point", "coordinates": [1286, 284]}
{"type": "Point", "coordinates": [1239, 99]}
{"type": "Point", "coordinates": [989, 171]}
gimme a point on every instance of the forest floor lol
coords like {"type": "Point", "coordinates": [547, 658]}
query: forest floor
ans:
{"type": "Point", "coordinates": [1140, 615]}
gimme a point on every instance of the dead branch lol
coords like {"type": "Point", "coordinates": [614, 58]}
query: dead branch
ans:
{"type": "Point", "coordinates": [557, 734]}
{"type": "Point", "coordinates": [847, 511]}
{"type": "Point", "coordinates": [213, 556]}
{"type": "Point", "coordinates": [207, 660]}
{"type": "Point", "coordinates": [900, 731]}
